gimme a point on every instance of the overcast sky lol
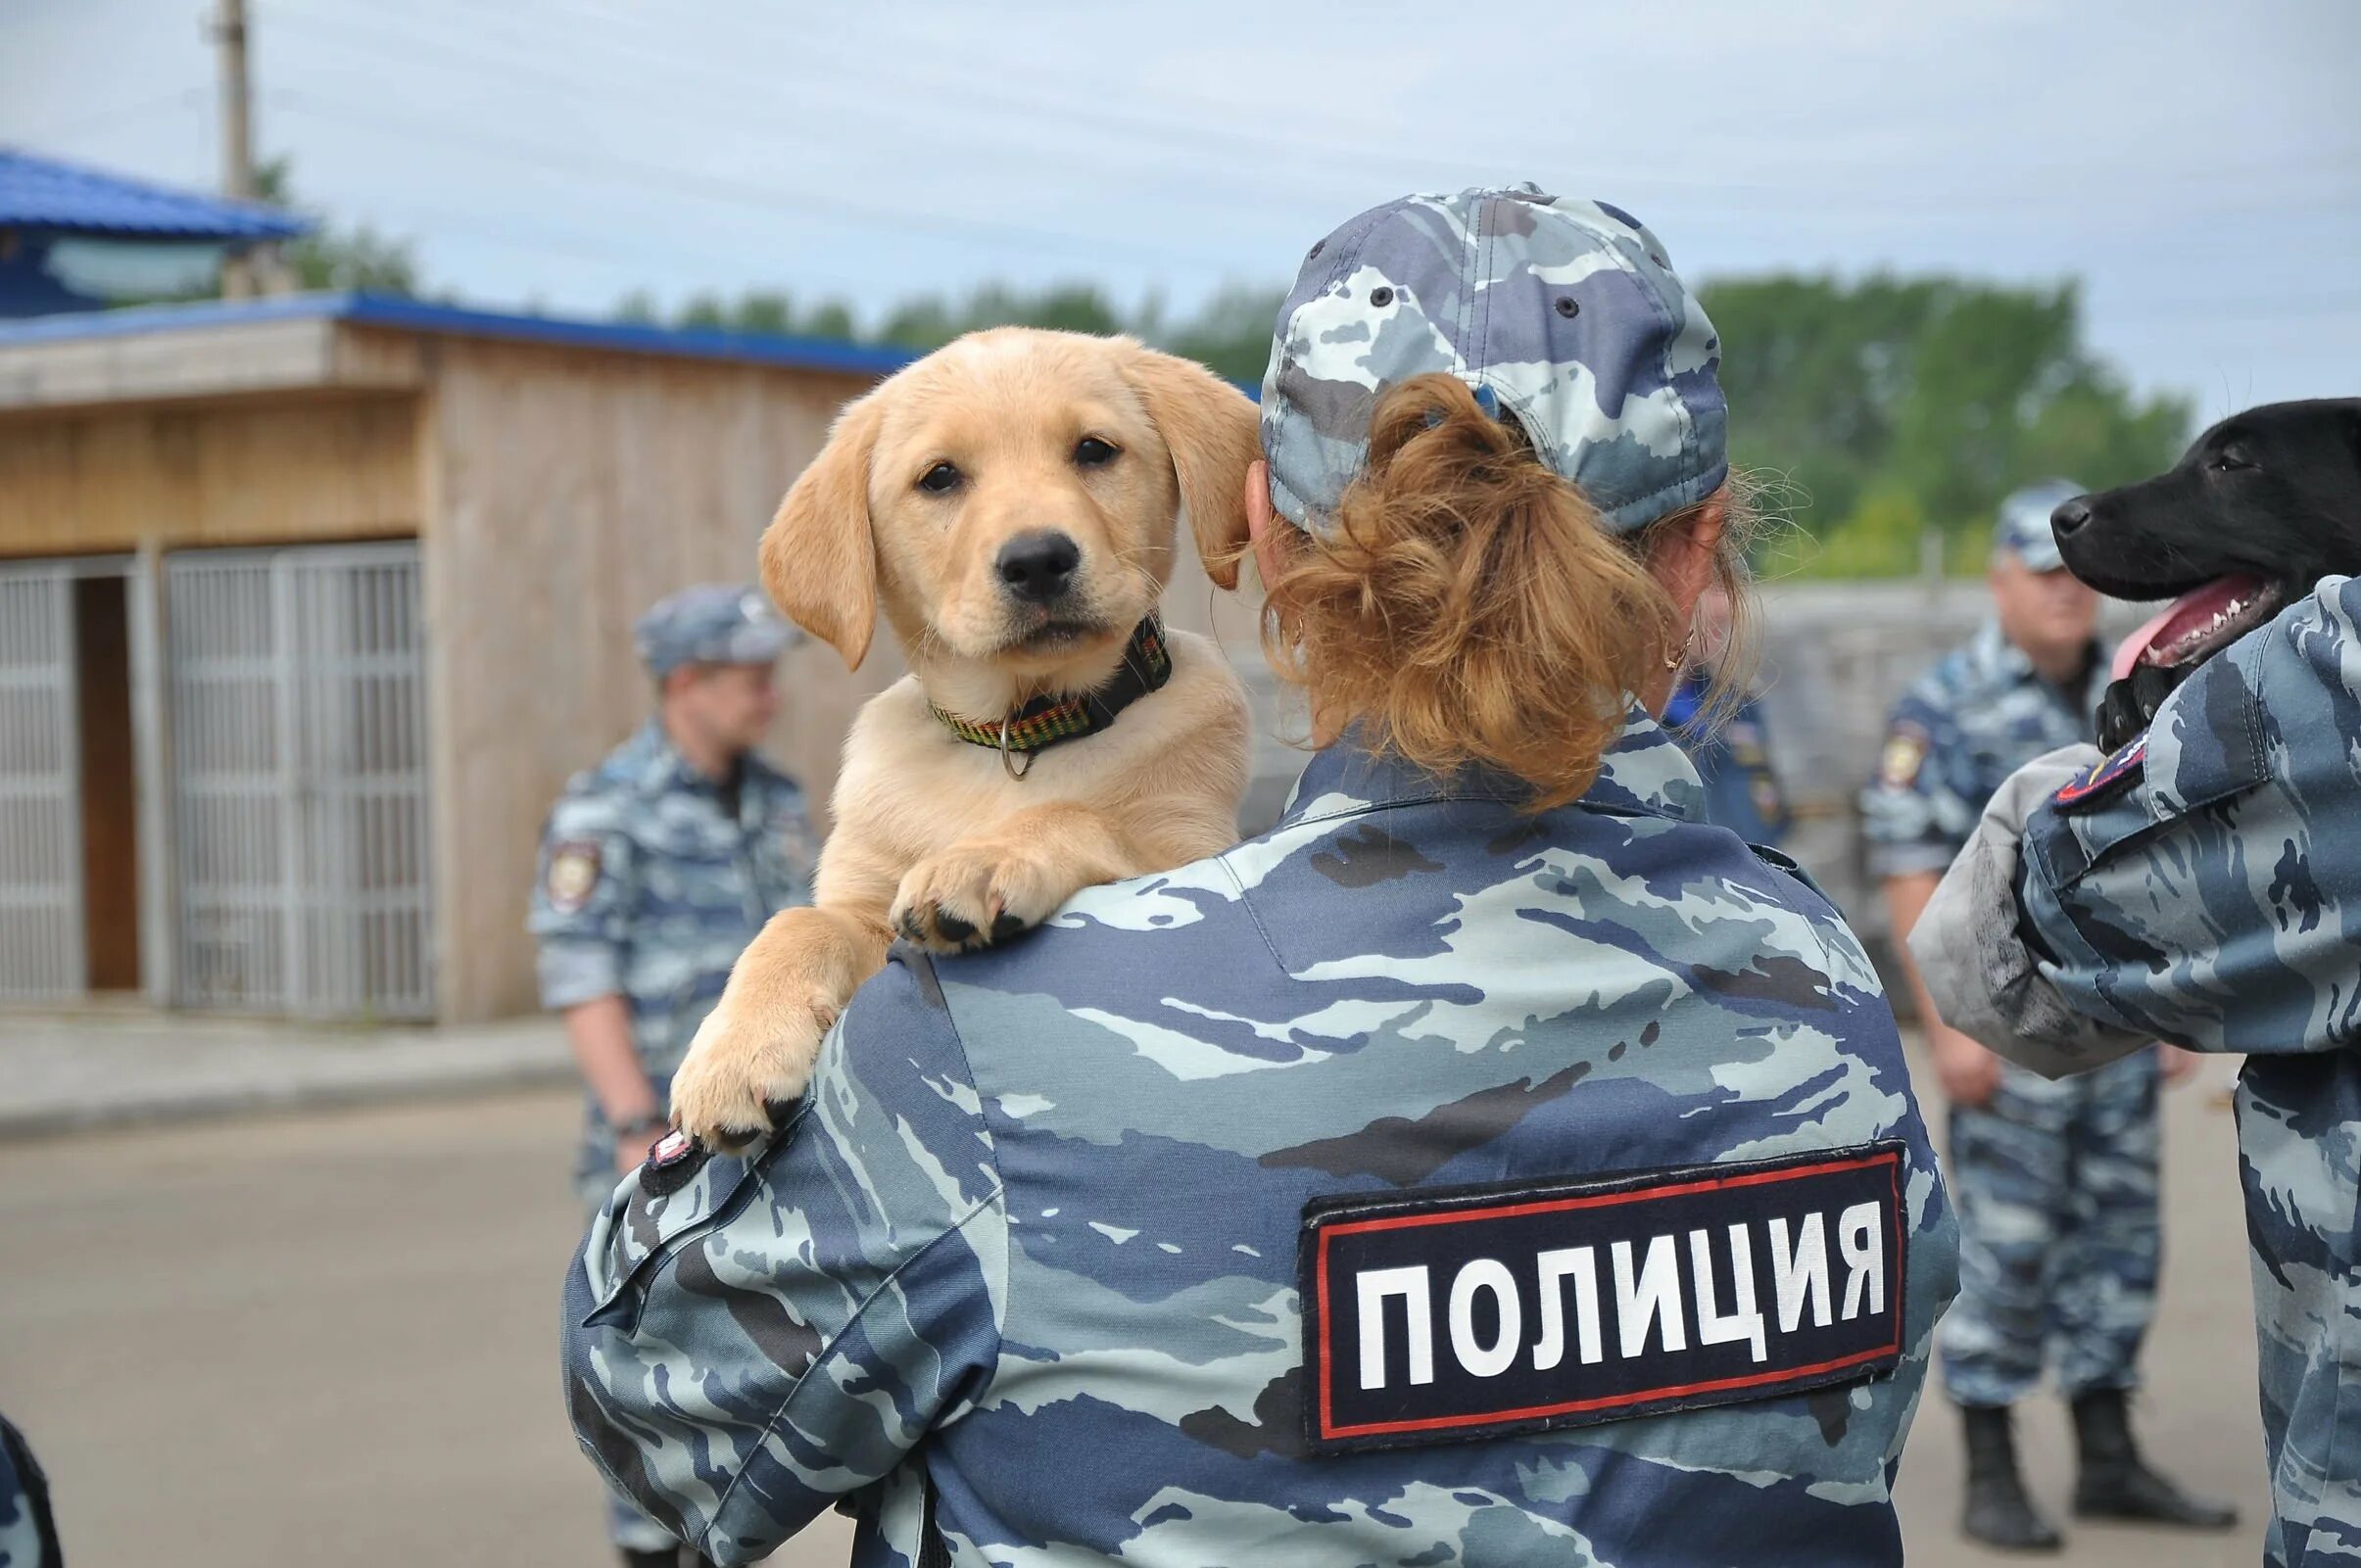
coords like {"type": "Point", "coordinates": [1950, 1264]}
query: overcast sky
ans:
{"type": "Point", "coordinates": [2196, 165]}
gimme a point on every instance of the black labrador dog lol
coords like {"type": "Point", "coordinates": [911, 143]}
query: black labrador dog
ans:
{"type": "Point", "coordinates": [2263, 507]}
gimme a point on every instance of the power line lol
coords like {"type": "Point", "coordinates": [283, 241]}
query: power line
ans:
{"type": "Point", "coordinates": [618, 171]}
{"type": "Point", "coordinates": [962, 79]}
{"type": "Point", "coordinates": [717, 103]}
{"type": "Point", "coordinates": [962, 87]}
{"type": "Point", "coordinates": [123, 113]}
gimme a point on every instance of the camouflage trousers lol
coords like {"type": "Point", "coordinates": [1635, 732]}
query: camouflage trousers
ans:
{"type": "Point", "coordinates": [595, 1178]}
{"type": "Point", "coordinates": [2299, 1157]}
{"type": "Point", "coordinates": [2059, 1238]}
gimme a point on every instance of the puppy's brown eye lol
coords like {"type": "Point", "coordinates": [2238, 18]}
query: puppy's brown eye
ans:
{"type": "Point", "coordinates": [2229, 460]}
{"type": "Point", "coordinates": [1092, 453]}
{"type": "Point", "coordinates": [939, 480]}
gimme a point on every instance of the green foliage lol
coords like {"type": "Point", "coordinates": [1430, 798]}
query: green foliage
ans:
{"type": "Point", "coordinates": [333, 257]}
{"type": "Point", "coordinates": [1232, 333]}
{"type": "Point", "coordinates": [1896, 405]}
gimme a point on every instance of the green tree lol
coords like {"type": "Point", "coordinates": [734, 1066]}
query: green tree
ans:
{"type": "Point", "coordinates": [1939, 393]}
{"type": "Point", "coordinates": [1230, 332]}
{"type": "Point", "coordinates": [332, 257]}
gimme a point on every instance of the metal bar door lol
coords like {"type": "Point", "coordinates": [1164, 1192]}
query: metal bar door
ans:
{"type": "Point", "coordinates": [299, 756]}
{"type": "Point", "coordinates": [41, 895]}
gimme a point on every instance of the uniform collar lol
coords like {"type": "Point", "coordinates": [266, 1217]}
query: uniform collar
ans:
{"type": "Point", "coordinates": [2004, 663]}
{"type": "Point", "coordinates": [1644, 774]}
{"type": "Point", "coordinates": [658, 768]}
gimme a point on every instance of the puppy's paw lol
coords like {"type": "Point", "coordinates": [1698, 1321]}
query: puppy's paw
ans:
{"type": "Point", "coordinates": [972, 897]}
{"type": "Point", "coordinates": [744, 1062]}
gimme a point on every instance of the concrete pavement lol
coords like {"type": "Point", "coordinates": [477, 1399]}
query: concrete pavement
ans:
{"type": "Point", "coordinates": [329, 1338]}
{"type": "Point", "coordinates": [102, 1066]}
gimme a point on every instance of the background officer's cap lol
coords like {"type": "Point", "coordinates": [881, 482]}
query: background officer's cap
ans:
{"type": "Point", "coordinates": [713, 623]}
{"type": "Point", "coordinates": [2023, 529]}
{"type": "Point", "coordinates": [1563, 315]}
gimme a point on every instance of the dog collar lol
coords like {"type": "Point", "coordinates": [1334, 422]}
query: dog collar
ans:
{"type": "Point", "coordinates": [1046, 720]}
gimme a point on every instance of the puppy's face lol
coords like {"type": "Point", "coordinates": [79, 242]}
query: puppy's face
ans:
{"type": "Point", "coordinates": [1011, 498]}
{"type": "Point", "coordinates": [1022, 499]}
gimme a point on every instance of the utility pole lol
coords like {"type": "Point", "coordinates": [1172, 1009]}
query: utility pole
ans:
{"type": "Point", "coordinates": [243, 272]}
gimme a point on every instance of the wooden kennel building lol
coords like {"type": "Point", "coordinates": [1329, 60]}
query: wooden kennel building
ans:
{"type": "Point", "coordinates": [309, 606]}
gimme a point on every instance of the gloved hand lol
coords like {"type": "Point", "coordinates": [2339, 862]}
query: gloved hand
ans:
{"type": "Point", "coordinates": [1986, 983]}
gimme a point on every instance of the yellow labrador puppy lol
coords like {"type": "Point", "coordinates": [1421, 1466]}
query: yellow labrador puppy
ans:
{"type": "Point", "coordinates": [1010, 502]}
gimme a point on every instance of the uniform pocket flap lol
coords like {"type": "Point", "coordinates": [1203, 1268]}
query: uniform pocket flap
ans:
{"type": "Point", "coordinates": [680, 1194]}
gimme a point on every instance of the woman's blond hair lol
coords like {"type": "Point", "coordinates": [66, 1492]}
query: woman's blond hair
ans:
{"type": "Point", "coordinates": [1468, 606]}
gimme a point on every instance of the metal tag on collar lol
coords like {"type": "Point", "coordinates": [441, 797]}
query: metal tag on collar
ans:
{"type": "Point", "coordinates": [1008, 758]}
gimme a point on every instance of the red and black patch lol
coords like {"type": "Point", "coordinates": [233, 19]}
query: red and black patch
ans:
{"type": "Point", "coordinates": [1477, 1312]}
{"type": "Point", "coordinates": [2104, 779]}
{"type": "Point", "coordinates": [671, 1161]}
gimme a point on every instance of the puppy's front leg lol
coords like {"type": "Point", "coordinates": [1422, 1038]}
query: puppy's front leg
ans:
{"type": "Point", "coordinates": [757, 1045]}
{"type": "Point", "coordinates": [1014, 875]}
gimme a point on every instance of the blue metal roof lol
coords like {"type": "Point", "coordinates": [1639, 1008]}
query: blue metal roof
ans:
{"type": "Point", "coordinates": [41, 193]}
{"type": "Point", "coordinates": [417, 315]}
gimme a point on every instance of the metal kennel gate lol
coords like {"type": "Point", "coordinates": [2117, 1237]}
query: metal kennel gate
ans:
{"type": "Point", "coordinates": [42, 931]}
{"type": "Point", "coordinates": [298, 780]}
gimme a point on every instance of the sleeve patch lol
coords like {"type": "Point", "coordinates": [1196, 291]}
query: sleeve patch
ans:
{"type": "Point", "coordinates": [573, 873]}
{"type": "Point", "coordinates": [1904, 754]}
{"type": "Point", "coordinates": [1530, 1306]}
{"type": "Point", "coordinates": [2104, 778]}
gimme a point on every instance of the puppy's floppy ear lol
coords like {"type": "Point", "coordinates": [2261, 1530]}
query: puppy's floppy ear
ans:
{"type": "Point", "coordinates": [1211, 429]}
{"type": "Point", "coordinates": [819, 561]}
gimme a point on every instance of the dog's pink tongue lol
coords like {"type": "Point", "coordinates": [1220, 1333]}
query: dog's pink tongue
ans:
{"type": "Point", "coordinates": [2192, 612]}
{"type": "Point", "coordinates": [2128, 651]}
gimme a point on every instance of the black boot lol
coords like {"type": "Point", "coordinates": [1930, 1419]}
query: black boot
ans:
{"type": "Point", "coordinates": [668, 1558]}
{"type": "Point", "coordinates": [2115, 1483]}
{"type": "Point", "coordinates": [1999, 1513]}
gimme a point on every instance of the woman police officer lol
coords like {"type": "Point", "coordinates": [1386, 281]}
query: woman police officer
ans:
{"type": "Point", "coordinates": [1491, 1163]}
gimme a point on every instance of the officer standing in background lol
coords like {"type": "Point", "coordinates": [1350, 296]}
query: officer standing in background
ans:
{"type": "Point", "coordinates": [657, 867]}
{"type": "Point", "coordinates": [2061, 1239]}
{"type": "Point", "coordinates": [1733, 757]}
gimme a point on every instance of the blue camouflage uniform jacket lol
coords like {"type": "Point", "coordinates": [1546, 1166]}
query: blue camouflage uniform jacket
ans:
{"type": "Point", "coordinates": [649, 890]}
{"type": "Point", "coordinates": [1960, 730]}
{"type": "Point", "coordinates": [1424, 1181]}
{"type": "Point", "coordinates": [2203, 886]}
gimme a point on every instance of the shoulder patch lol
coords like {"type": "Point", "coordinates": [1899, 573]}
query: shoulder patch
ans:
{"type": "Point", "coordinates": [573, 872]}
{"type": "Point", "coordinates": [2104, 779]}
{"type": "Point", "coordinates": [671, 1161]}
{"type": "Point", "coordinates": [1904, 754]}
{"type": "Point", "coordinates": [1451, 1316]}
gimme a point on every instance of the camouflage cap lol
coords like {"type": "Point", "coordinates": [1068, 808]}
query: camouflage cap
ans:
{"type": "Point", "coordinates": [2023, 528]}
{"type": "Point", "coordinates": [713, 623]}
{"type": "Point", "coordinates": [1565, 314]}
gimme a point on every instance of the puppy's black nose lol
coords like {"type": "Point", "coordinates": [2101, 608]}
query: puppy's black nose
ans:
{"type": "Point", "coordinates": [1037, 567]}
{"type": "Point", "coordinates": [2067, 520]}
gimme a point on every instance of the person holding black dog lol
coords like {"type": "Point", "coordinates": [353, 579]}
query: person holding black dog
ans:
{"type": "Point", "coordinates": [2061, 1236]}
{"type": "Point", "coordinates": [2202, 884]}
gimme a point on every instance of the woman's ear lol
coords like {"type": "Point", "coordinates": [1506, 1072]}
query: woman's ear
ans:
{"type": "Point", "coordinates": [819, 561]}
{"type": "Point", "coordinates": [1685, 558]}
{"type": "Point", "coordinates": [1212, 430]}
